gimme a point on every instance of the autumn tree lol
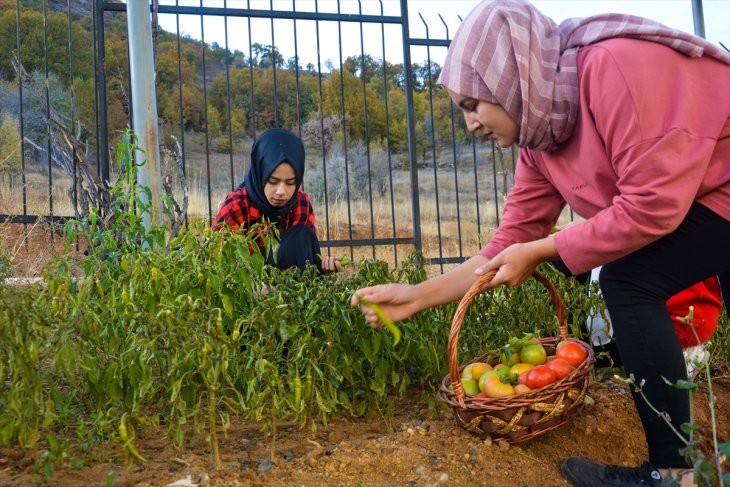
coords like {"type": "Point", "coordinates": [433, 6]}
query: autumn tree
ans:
{"type": "Point", "coordinates": [346, 86]}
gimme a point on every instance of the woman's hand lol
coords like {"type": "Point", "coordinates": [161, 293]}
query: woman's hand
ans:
{"type": "Point", "coordinates": [397, 301]}
{"type": "Point", "coordinates": [331, 264]}
{"type": "Point", "coordinates": [516, 263]}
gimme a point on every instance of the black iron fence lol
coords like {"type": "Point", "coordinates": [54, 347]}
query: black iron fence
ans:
{"type": "Point", "coordinates": [390, 166]}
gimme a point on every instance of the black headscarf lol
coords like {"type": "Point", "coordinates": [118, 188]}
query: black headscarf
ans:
{"type": "Point", "coordinates": [268, 152]}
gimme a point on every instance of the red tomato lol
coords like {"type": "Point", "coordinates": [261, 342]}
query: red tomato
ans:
{"type": "Point", "coordinates": [539, 376]}
{"type": "Point", "coordinates": [561, 367]}
{"type": "Point", "coordinates": [571, 352]}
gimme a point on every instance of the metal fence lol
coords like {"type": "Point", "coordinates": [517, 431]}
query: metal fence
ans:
{"type": "Point", "coordinates": [390, 167]}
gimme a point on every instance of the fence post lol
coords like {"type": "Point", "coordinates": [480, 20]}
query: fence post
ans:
{"type": "Point", "coordinates": [698, 17]}
{"type": "Point", "coordinates": [411, 122]}
{"type": "Point", "coordinates": [144, 105]}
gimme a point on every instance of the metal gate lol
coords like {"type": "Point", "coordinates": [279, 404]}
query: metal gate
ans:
{"type": "Point", "coordinates": [391, 168]}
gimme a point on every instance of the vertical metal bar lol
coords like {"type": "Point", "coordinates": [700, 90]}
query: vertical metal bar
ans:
{"type": "Point", "coordinates": [476, 192]}
{"type": "Point", "coordinates": [365, 121]}
{"type": "Point", "coordinates": [250, 69]}
{"type": "Point", "coordinates": [344, 132]}
{"type": "Point", "coordinates": [129, 83]}
{"type": "Point", "coordinates": [387, 132]}
{"type": "Point", "coordinates": [698, 17]}
{"type": "Point", "coordinates": [228, 98]}
{"type": "Point", "coordinates": [456, 159]}
{"type": "Point", "coordinates": [21, 121]}
{"type": "Point", "coordinates": [433, 149]}
{"type": "Point", "coordinates": [494, 176]}
{"type": "Point", "coordinates": [273, 67]}
{"type": "Point", "coordinates": [102, 132]}
{"type": "Point", "coordinates": [411, 123]}
{"type": "Point", "coordinates": [205, 120]}
{"type": "Point", "coordinates": [296, 72]}
{"type": "Point", "coordinates": [74, 175]}
{"type": "Point", "coordinates": [144, 107]}
{"type": "Point", "coordinates": [321, 127]}
{"type": "Point", "coordinates": [180, 95]}
{"type": "Point", "coordinates": [48, 115]}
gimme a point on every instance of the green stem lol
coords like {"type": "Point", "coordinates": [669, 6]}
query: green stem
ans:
{"type": "Point", "coordinates": [212, 424]}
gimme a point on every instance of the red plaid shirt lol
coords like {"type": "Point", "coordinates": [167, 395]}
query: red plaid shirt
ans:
{"type": "Point", "coordinates": [237, 210]}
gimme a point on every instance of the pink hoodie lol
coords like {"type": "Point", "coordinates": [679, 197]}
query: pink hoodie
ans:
{"type": "Point", "coordinates": [652, 137]}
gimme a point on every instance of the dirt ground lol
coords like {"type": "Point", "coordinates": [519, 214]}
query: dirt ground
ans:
{"type": "Point", "coordinates": [422, 448]}
{"type": "Point", "coordinates": [419, 447]}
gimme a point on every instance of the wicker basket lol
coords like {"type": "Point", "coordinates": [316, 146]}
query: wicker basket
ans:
{"type": "Point", "coordinates": [522, 416]}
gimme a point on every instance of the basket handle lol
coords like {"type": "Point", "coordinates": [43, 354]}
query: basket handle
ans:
{"type": "Point", "coordinates": [456, 323]}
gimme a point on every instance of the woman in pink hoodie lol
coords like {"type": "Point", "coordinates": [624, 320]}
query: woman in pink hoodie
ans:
{"type": "Point", "coordinates": [628, 122]}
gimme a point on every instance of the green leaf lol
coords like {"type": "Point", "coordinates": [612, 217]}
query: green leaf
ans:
{"type": "Point", "coordinates": [724, 449]}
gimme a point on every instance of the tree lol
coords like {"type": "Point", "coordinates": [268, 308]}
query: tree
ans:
{"type": "Point", "coordinates": [319, 133]}
{"type": "Point", "coordinates": [363, 66]}
{"type": "Point", "coordinates": [266, 56]}
{"type": "Point", "coordinates": [32, 41]}
{"type": "Point", "coordinates": [359, 121]}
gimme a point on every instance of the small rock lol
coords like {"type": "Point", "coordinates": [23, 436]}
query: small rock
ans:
{"type": "Point", "coordinates": [186, 482]}
{"type": "Point", "coordinates": [435, 460]}
{"type": "Point", "coordinates": [419, 469]}
{"type": "Point", "coordinates": [588, 401]}
{"type": "Point", "coordinates": [265, 465]}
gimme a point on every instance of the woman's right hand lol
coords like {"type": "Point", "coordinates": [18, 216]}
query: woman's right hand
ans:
{"type": "Point", "coordinates": [397, 301]}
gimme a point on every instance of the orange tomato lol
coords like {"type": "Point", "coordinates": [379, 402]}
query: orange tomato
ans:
{"type": "Point", "coordinates": [517, 369]}
{"type": "Point", "coordinates": [484, 377]}
{"type": "Point", "coordinates": [494, 388]}
{"type": "Point", "coordinates": [478, 369]}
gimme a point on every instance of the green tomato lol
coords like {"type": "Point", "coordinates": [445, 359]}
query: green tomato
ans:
{"type": "Point", "coordinates": [533, 354]}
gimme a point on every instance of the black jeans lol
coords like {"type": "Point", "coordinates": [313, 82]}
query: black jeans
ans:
{"type": "Point", "coordinates": [636, 288]}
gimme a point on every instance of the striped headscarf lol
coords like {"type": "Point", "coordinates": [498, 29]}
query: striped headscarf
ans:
{"type": "Point", "coordinates": [507, 52]}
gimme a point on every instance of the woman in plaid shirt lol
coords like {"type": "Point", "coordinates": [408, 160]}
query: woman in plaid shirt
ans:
{"type": "Point", "coordinates": [271, 195]}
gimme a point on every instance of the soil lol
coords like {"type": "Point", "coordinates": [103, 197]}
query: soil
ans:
{"type": "Point", "coordinates": [417, 447]}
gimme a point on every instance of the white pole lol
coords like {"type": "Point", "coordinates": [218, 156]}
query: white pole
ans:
{"type": "Point", "coordinates": [144, 103]}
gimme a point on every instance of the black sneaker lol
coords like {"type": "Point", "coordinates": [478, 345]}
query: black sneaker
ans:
{"type": "Point", "coordinates": [583, 473]}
